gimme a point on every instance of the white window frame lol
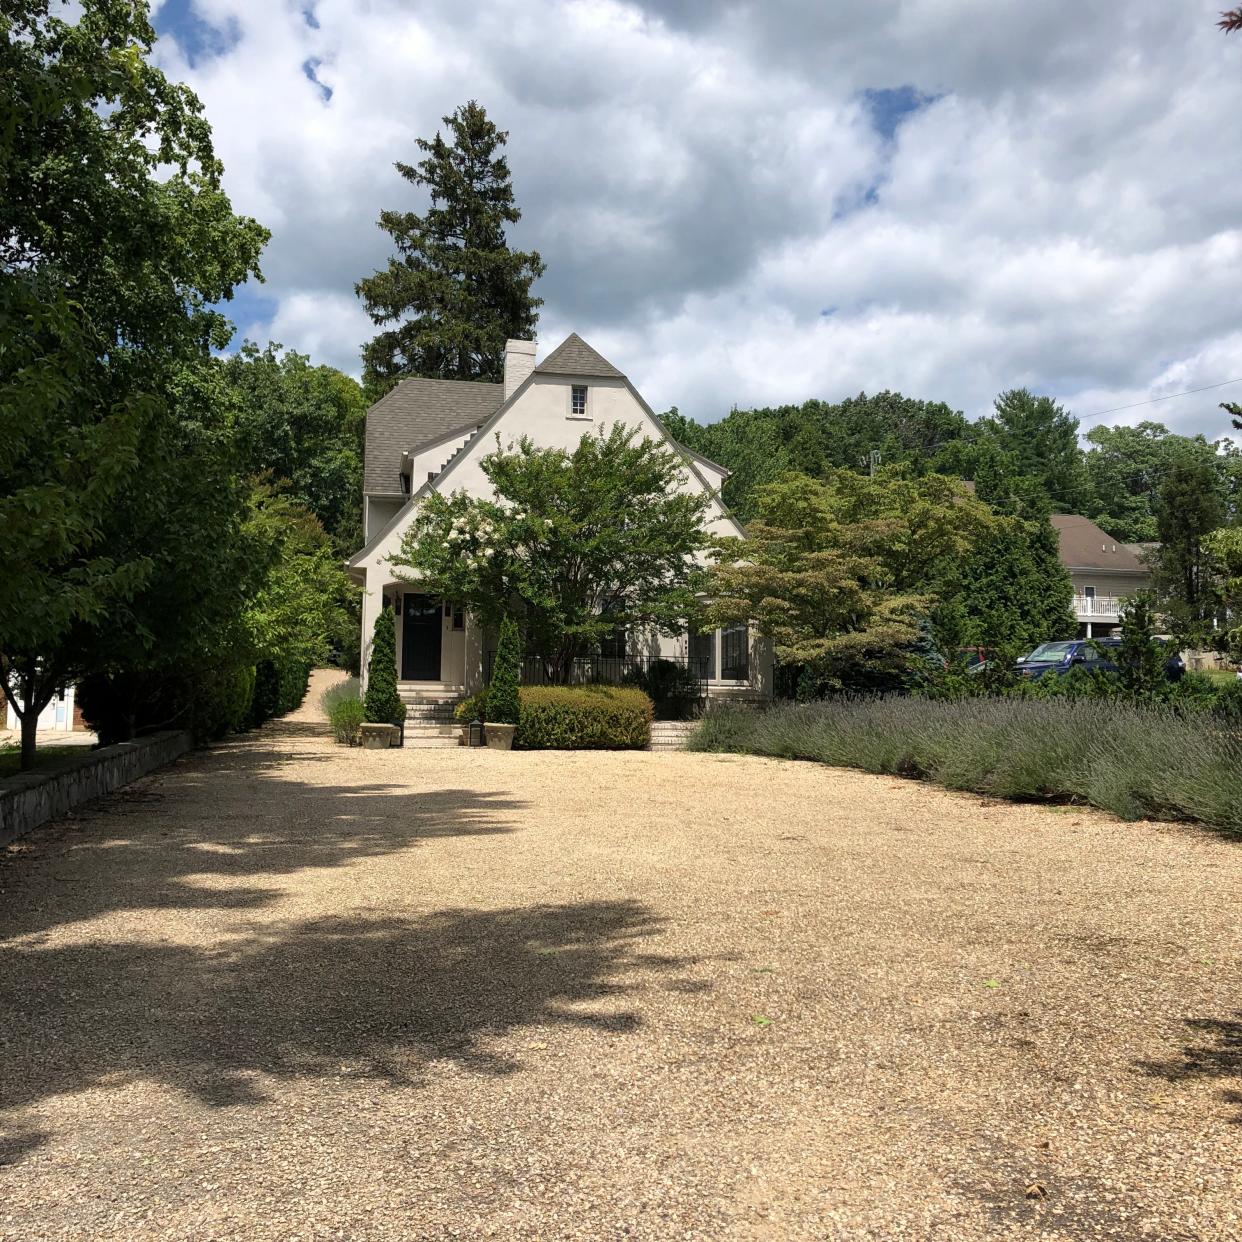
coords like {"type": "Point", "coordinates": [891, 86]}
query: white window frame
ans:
{"type": "Point", "coordinates": [718, 661]}
{"type": "Point", "coordinates": [585, 416]}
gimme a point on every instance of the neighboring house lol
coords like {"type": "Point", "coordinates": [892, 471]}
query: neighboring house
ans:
{"type": "Point", "coordinates": [1105, 573]}
{"type": "Point", "coordinates": [61, 715]}
{"type": "Point", "coordinates": [430, 436]}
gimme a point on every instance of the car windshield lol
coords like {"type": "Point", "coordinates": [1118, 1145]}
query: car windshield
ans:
{"type": "Point", "coordinates": [1050, 651]}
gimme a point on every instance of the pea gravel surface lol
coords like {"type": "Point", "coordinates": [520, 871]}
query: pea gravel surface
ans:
{"type": "Point", "coordinates": [286, 990]}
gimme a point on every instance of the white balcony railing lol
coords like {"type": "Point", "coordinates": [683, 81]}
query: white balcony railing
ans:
{"type": "Point", "coordinates": [1087, 606]}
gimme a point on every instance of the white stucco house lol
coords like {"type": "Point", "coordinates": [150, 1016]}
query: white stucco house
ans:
{"type": "Point", "coordinates": [429, 436]}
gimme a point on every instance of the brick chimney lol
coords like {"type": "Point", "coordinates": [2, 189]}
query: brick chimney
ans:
{"type": "Point", "coordinates": [519, 363]}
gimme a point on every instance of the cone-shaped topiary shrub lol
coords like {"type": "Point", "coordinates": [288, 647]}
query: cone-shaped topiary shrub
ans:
{"type": "Point", "coordinates": [383, 704]}
{"type": "Point", "coordinates": [502, 694]}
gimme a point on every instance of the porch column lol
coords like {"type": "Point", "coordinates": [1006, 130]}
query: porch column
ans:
{"type": "Point", "coordinates": [372, 605]}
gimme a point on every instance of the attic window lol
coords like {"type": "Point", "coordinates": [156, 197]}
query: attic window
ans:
{"type": "Point", "coordinates": [578, 402]}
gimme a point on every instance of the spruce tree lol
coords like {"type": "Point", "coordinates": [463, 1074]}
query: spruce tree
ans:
{"type": "Point", "coordinates": [382, 704]}
{"type": "Point", "coordinates": [502, 694]}
{"type": "Point", "coordinates": [454, 291]}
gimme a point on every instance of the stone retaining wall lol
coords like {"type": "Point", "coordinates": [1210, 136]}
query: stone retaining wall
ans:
{"type": "Point", "coordinates": [32, 798]}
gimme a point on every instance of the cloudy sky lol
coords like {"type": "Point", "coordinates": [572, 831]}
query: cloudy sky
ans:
{"type": "Point", "coordinates": [754, 203]}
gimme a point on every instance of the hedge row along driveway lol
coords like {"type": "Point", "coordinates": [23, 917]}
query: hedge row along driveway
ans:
{"type": "Point", "coordinates": [290, 988]}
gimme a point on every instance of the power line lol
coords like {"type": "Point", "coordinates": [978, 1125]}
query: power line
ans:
{"type": "Point", "coordinates": [1152, 400]}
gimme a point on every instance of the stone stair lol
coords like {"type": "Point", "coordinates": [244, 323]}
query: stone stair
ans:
{"type": "Point", "coordinates": [429, 720]}
{"type": "Point", "coordinates": [671, 734]}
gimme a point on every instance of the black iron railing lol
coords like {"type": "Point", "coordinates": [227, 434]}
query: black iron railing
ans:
{"type": "Point", "coordinates": [691, 671]}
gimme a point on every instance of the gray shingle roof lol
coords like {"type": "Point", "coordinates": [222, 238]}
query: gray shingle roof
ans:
{"type": "Point", "coordinates": [1085, 546]}
{"type": "Point", "coordinates": [415, 413]}
{"type": "Point", "coordinates": [573, 356]}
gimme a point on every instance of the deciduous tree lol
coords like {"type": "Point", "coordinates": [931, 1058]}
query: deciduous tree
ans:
{"type": "Point", "coordinates": [115, 242]}
{"type": "Point", "coordinates": [576, 543]}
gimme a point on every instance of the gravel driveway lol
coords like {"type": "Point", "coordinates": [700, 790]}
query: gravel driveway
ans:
{"type": "Point", "coordinates": [288, 991]}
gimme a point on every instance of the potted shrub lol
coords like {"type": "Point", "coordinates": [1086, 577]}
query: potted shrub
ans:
{"type": "Point", "coordinates": [501, 718]}
{"type": "Point", "coordinates": [383, 709]}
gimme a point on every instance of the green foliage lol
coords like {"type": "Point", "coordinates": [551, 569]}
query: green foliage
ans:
{"type": "Point", "coordinates": [382, 703]}
{"type": "Point", "coordinates": [279, 688]}
{"type": "Point", "coordinates": [346, 718]}
{"type": "Point", "coordinates": [473, 707]}
{"type": "Point", "coordinates": [297, 607]}
{"type": "Point", "coordinates": [502, 694]}
{"type": "Point", "coordinates": [1140, 659]}
{"type": "Point", "coordinates": [583, 718]}
{"type": "Point", "coordinates": [574, 543]}
{"type": "Point", "coordinates": [116, 240]}
{"type": "Point", "coordinates": [1013, 591]}
{"type": "Point", "coordinates": [1224, 551]}
{"type": "Point", "coordinates": [1127, 467]}
{"type": "Point", "coordinates": [841, 573]}
{"type": "Point", "coordinates": [339, 693]}
{"type": "Point", "coordinates": [302, 427]}
{"type": "Point", "coordinates": [208, 701]}
{"type": "Point", "coordinates": [817, 437]}
{"type": "Point", "coordinates": [1190, 508]}
{"type": "Point", "coordinates": [454, 292]}
{"type": "Point", "coordinates": [1133, 761]}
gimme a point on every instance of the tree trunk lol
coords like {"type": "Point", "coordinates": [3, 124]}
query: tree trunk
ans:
{"type": "Point", "coordinates": [30, 725]}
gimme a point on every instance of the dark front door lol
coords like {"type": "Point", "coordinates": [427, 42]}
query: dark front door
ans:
{"type": "Point", "coordinates": [421, 635]}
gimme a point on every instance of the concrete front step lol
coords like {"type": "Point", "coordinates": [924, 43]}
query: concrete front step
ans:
{"type": "Point", "coordinates": [671, 734]}
{"type": "Point", "coordinates": [418, 741]}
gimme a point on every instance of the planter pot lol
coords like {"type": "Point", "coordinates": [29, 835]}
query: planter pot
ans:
{"type": "Point", "coordinates": [379, 736]}
{"type": "Point", "coordinates": [499, 736]}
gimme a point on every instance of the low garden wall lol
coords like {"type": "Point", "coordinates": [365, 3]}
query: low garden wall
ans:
{"type": "Point", "coordinates": [32, 798]}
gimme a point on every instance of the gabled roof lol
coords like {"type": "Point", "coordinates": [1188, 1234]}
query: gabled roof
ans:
{"type": "Point", "coordinates": [573, 356]}
{"type": "Point", "coordinates": [1085, 546]}
{"type": "Point", "coordinates": [419, 412]}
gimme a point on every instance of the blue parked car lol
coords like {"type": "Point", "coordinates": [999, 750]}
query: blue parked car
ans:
{"type": "Point", "coordinates": [1083, 653]}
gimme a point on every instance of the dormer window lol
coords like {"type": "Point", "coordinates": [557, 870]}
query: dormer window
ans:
{"type": "Point", "coordinates": [578, 401]}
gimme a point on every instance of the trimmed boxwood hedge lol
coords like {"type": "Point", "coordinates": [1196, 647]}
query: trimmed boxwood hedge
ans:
{"type": "Point", "coordinates": [583, 718]}
{"type": "Point", "coordinates": [573, 717]}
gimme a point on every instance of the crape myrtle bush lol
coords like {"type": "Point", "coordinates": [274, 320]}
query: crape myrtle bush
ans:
{"type": "Point", "coordinates": [574, 717]}
{"type": "Point", "coordinates": [1133, 761]}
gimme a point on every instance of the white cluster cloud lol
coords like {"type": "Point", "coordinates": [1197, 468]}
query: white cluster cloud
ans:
{"type": "Point", "coordinates": [752, 203]}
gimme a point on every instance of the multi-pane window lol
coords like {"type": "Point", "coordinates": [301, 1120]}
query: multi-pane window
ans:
{"type": "Point", "coordinates": [721, 655]}
{"type": "Point", "coordinates": [578, 401]}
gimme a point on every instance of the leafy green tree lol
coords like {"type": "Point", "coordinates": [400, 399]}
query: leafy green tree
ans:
{"type": "Point", "coordinates": [454, 292]}
{"type": "Point", "coordinates": [1141, 660]}
{"type": "Point", "coordinates": [1190, 508]}
{"type": "Point", "coordinates": [841, 574]}
{"type": "Point", "coordinates": [302, 426]}
{"type": "Point", "coordinates": [1040, 439]}
{"type": "Point", "coordinates": [502, 694]}
{"type": "Point", "coordinates": [115, 241]}
{"type": "Point", "coordinates": [382, 704]}
{"type": "Point", "coordinates": [1127, 467]}
{"type": "Point", "coordinates": [1224, 549]}
{"type": "Point", "coordinates": [575, 543]}
{"type": "Point", "coordinates": [1013, 591]}
{"type": "Point", "coordinates": [759, 446]}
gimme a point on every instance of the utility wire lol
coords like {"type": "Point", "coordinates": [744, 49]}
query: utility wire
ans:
{"type": "Point", "coordinates": [1152, 400]}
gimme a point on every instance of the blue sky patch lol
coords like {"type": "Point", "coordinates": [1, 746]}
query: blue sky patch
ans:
{"type": "Point", "coordinates": [308, 16]}
{"type": "Point", "coordinates": [889, 106]}
{"type": "Point", "coordinates": [309, 68]}
{"type": "Point", "coordinates": [248, 308]}
{"type": "Point", "coordinates": [197, 38]}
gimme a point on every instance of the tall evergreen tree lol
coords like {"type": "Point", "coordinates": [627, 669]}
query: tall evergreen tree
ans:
{"type": "Point", "coordinates": [1190, 509]}
{"type": "Point", "coordinates": [454, 291]}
